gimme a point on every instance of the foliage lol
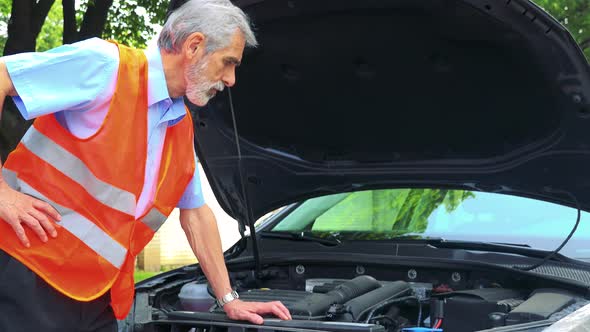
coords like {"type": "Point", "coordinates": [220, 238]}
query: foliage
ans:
{"type": "Point", "coordinates": [574, 15]}
{"type": "Point", "coordinates": [5, 6]}
{"type": "Point", "coordinates": [134, 22]}
{"type": "Point", "coordinates": [397, 211]}
{"type": "Point", "coordinates": [50, 35]}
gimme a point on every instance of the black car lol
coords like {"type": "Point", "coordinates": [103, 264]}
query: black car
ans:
{"type": "Point", "coordinates": [425, 164]}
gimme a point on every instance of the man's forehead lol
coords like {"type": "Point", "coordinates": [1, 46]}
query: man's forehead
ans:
{"type": "Point", "coordinates": [236, 48]}
{"type": "Point", "coordinates": [233, 52]}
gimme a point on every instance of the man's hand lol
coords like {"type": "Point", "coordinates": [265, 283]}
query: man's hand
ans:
{"type": "Point", "coordinates": [17, 208]}
{"type": "Point", "coordinates": [202, 233]}
{"type": "Point", "coordinates": [251, 311]}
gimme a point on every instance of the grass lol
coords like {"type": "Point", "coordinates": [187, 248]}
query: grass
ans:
{"type": "Point", "coordinates": [142, 275]}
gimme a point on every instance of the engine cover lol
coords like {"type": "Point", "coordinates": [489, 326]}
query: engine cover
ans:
{"type": "Point", "coordinates": [355, 295]}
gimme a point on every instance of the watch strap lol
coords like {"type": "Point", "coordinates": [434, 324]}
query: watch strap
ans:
{"type": "Point", "coordinates": [227, 298]}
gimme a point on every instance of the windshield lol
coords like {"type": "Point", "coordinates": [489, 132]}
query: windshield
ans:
{"type": "Point", "coordinates": [450, 214]}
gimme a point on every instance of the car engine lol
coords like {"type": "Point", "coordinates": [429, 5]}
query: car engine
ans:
{"type": "Point", "coordinates": [367, 304]}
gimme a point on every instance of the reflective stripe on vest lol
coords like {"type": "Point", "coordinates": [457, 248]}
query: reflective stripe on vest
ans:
{"type": "Point", "coordinates": [154, 219]}
{"type": "Point", "coordinates": [80, 227]}
{"type": "Point", "coordinates": [74, 168]}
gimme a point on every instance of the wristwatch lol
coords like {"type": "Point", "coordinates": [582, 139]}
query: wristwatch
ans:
{"type": "Point", "coordinates": [227, 298]}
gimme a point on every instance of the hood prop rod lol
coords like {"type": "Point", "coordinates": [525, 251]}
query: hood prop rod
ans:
{"type": "Point", "coordinates": [248, 213]}
{"type": "Point", "coordinates": [556, 251]}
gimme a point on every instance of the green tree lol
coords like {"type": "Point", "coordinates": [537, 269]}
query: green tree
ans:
{"type": "Point", "coordinates": [389, 211]}
{"type": "Point", "coordinates": [134, 22]}
{"type": "Point", "coordinates": [415, 209]}
{"type": "Point", "coordinates": [52, 31]}
{"type": "Point", "coordinates": [5, 6]}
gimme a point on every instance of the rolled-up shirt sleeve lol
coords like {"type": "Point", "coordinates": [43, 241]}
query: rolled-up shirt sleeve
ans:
{"type": "Point", "coordinates": [67, 78]}
{"type": "Point", "coordinates": [193, 194]}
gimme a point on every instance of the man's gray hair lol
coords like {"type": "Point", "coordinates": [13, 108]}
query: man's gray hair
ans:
{"type": "Point", "coordinates": [218, 20]}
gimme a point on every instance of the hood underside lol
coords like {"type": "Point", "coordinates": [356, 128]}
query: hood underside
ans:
{"type": "Point", "coordinates": [346, 95]}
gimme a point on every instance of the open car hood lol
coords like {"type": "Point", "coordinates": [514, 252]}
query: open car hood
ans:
{"type": "Point", "coordinates": [346, 95]}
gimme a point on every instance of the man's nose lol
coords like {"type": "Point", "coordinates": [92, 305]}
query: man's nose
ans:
{"type": "Point", "coordinates": [229, 79]}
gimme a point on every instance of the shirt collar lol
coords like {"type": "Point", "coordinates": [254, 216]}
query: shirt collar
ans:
{"type": "Point", "coordinates": [173, 109]}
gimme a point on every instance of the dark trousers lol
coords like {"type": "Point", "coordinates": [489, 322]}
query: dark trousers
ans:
{"type": "Point", "coordinates": [28, 303]}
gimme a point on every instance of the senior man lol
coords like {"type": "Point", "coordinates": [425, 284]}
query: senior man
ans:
{"type": "Point", "coordinates": [109, 156]}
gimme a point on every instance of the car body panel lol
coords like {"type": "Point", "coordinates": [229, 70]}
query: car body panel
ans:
{"type": "Point", "coordinates": [349, 95]}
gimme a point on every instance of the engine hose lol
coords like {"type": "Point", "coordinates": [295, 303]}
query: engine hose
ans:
{"type": "Point", "coordinates": [383, 317]}
{"type": "Point", "coordinates": [382, 304]}
{"type": "Point", "coordinates": [389, 302]}
{"type": "Point", "coordinates": [419, 312]}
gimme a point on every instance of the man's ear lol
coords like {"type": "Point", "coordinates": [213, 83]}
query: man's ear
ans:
{"type": "Point", "coordinates": [193, 44]}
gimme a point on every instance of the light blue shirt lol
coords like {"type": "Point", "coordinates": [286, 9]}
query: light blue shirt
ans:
{"type": "Point", "coordinates": [76, 83]}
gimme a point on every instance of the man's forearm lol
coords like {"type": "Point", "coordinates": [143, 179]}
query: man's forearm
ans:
{"type": "Point", "coordinates": [202, 233]}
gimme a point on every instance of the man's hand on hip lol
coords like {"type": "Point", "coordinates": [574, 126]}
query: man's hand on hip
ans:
{"type": "Point", "coordinates": [251, 311]}
{"type": "Point", "coordinates": [18, 209]}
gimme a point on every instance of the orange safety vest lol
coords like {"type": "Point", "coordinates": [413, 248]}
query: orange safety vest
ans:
{"type": "Point", "coordinates": [94, 183]}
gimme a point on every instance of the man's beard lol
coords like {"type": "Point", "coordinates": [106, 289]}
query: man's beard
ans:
{"type": "Point", "coordinates": [199, 90]}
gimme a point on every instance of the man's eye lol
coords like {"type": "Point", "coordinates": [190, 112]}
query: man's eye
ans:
{"type": "Point", "coordinates": [230, 62]}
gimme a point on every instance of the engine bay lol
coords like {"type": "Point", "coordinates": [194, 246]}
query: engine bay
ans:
{"type": "Point", "coordinates": [439, 300]}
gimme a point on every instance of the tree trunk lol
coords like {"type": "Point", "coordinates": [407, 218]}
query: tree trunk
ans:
{"type": "Point", "coordinates": [20, 38]}
{"type": "Point", "coordinates": [26, 20]}
{"type": "Point", "coordinates": [39, 15]}
{"type": "Point", "coordinates": [70, 34]}
{"type": "Point", "coordinates": [94, 19]}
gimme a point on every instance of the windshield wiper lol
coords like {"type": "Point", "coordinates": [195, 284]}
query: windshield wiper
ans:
{"type": "Point", "coordinates": [409, 237]}
{"type": "Point", "coordinates": [508, 248]}
{"type": "Point", "coordinates": [332, 240]}
{"type": "Point", "coordinates": [512, 244]}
